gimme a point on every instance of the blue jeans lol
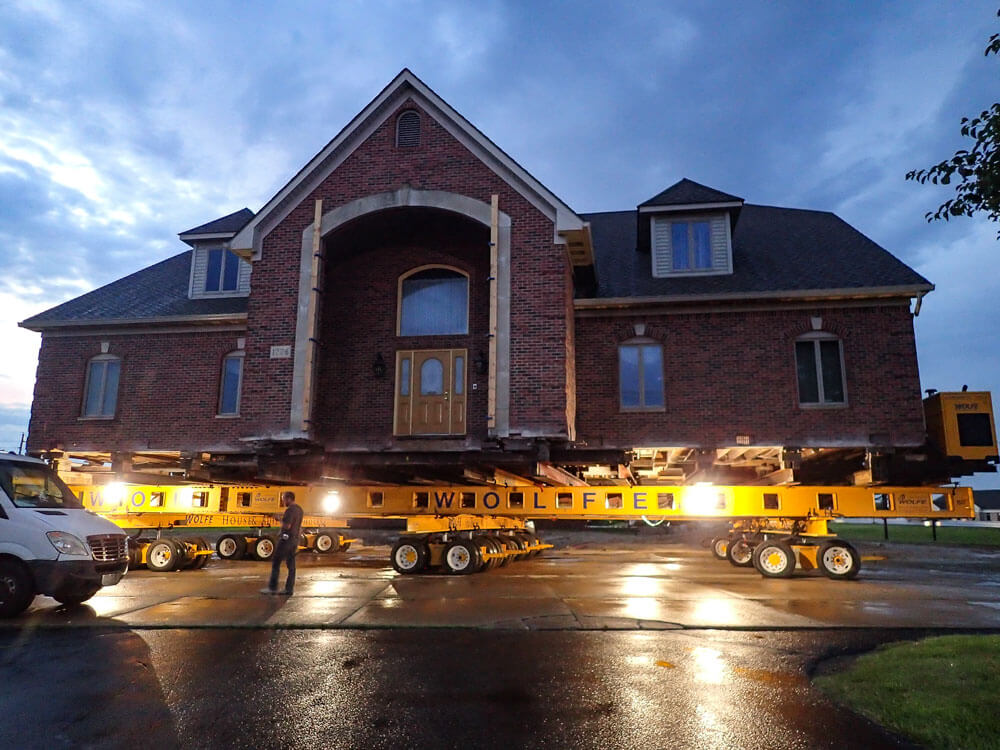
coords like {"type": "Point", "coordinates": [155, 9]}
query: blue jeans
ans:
{"type": "Point", "coordinates": [284, 551]}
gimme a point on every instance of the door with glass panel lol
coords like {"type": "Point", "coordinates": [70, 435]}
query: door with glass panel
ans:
{"type": "Point", "coordinates": [430, 392]}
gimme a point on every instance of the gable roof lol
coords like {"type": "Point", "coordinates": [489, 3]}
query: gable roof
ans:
{"type": "Point", "coordinates": [776, 252]}
{"type": "Point", "coordinates": [686, 192]}
{"type": "Point", "coordinates": [404, 86]}
{"type": "Point", "coordinates": [227, 225]}
{"type": "Point", "coordinates": [153, 295]}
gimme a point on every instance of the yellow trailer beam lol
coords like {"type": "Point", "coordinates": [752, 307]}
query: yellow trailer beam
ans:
{"type": "Point", "coordinates": [253, 506]}
{"type": "Point", "coordinates": [652, 502]}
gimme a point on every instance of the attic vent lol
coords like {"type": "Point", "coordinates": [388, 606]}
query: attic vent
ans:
{"type": "Point", "coordinates": [408, 129]}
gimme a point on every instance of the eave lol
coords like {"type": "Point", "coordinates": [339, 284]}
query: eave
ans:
{"type": "Point", "coordinates": [797, 295]}
{"type": "Point", "coordinates": [213, 319]}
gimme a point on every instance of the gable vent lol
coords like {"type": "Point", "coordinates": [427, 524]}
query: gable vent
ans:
{"type": "Point", "coordinates": [408, 129]}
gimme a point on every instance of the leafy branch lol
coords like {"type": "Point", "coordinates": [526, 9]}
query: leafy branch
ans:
{"type": "Point", "coordinates": [976, 170]}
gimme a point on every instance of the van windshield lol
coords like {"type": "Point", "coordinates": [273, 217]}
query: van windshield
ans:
{"type": "Point", "coordinates": [31, 485]}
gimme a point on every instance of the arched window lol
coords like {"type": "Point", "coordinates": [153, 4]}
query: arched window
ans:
{"type": "Point", "coordinates": [819, 364]}
{"type": "Point", "coordinates": [408, 129]}
{"type": "Point", "coordinates": [433, 302]}
{"type": "Point", "coordinates": [230, 384]}
{"type": "Point", "coordinates": [640, 375]}
{"type": "Point", "coordinates": [100, 391]}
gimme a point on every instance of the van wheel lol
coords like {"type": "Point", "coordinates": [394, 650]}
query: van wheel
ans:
{"type": "Point", "coordinates": [74, 595]}
{"type": "Point", "coordinates": [16, 592]}
{"type": "Point", "coordinates": [162, 556]}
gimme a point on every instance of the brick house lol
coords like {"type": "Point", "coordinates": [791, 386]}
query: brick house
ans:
{"type": "Point", "coordinates": [414, 305]}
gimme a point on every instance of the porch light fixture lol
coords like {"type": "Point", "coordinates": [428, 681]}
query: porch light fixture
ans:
{"type": "Point", "coordinates": [481, 363]}
{"type": "Point", "coordinates": [378, 366]}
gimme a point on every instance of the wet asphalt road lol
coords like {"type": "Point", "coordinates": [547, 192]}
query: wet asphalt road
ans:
{"type": "Point", "coordinates": [423, 689]}
{"type": "Point", "coordinates": [612, 643]}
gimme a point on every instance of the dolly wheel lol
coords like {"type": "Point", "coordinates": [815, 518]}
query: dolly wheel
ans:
{"type": "Point", "coordinates": [719, 546]}
{"type": "Point", "coordinates": [162, 556]}
{"type": "Point", "coordinates": [409, 556]}
{"type": "Point", "coordinates": [323, 543]}
{"type": "Point", "coordinates": [263, 548]}
{"type": "Point", "coordinates": [774, 559]}
{"type": "Point", "coordinates": [739, 552]}
{"type": "Point", "coordinates": [231, 546]}
{"type": "Point", "coordinates": [838, 560]}
{"type": "Point", "coordinates": [461, 556]}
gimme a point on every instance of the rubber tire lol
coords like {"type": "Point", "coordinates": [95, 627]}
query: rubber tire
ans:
{"type": "Point", "coordinates": [845, 575]}
{"type": "Point", "coordinates": [720, 541]}
{"type": "Point", "coordinates": [74, 596]}
{"type": "Point", "coordinates": [762, 552]}
{"type": "Point", "coordinates": [201, 560]}
{"type": "Point", "coordinates": [159, 563]}
{"type": "Point", "coordinates": [134, 553]}
{"type": "Point", "coordinates": [344, 547]}
{"type": "Point", "coordinates": [496, 548]}
{"type": "Point", "coordinates": [505, 547]}
{"type": "Point", "coordinates": [16, 589]}
{"type": "Point", "coordinates": [485, 547]}
{"type": "Point", "coordinates": [324, 543]}
{"type": "Point", "coordinates": [239, 547]}
{"type": "Point", "coordinates": [736, 556]}
{"type": "Point", "coordinates": [533, 538]}
{"type": "Point", "coordinates": [463, 550]}
{"type": "Point", "coordinates": [262, 548]}
{"type": "Point", "coordinates": [408, 566]}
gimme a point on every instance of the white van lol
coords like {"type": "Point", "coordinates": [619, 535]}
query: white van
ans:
{"type": "Point", "coordinates": [48, 543]}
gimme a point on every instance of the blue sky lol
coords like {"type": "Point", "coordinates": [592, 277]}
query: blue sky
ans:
{"type": "Point", "coordinates": [124, 123]}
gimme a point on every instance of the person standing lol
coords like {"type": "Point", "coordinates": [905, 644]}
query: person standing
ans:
{"type": "Point", "coordinates": [287, 546]}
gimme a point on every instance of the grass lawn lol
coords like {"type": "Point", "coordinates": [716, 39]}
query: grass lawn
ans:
{"type": "Point", "coordinates": [916, 533]}
{"type": "Point", "coordinates": [940, 692]}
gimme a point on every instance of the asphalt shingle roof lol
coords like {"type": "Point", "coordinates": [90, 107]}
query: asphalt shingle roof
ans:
{"type": "Point", "coordinates": [159, 291]}
{"type": "Point", "coordinates": [686, 192]}
{"type": "Point", "coordinates": [231, 223]}
{"type": "Point", "coordinates": [774, 250]}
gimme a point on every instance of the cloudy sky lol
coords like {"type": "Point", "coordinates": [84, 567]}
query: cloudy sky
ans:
{"type": "Point", "coordinates": [123, 123]}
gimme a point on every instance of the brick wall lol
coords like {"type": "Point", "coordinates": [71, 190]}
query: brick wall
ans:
{"type": "Point", "coordinates": [167, 394]}
{"type": "Point", "coordinates": [538, 269]}
{"type": "Point", "coordinates": [730, 373]}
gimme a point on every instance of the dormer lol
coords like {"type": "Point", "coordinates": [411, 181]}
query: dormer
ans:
{"type": "Point", "coordinates": [217, 271]}
{"type": "Point", "coordinates": [687, 230]}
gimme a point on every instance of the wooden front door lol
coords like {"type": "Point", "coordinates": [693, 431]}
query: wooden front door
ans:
{"type": "Point", "coordinates": [430, 392]}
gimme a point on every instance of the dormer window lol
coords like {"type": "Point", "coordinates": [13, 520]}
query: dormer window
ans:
{"type": "Point", "coordinates": [223, 271]}
{"type": "Point", "coordinates": [218, 272]}
{"type": "Point", "coordinates": [691, 245]}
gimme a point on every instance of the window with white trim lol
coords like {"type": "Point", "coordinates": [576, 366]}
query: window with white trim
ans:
{"type": "Point", "coordinates": [100, 391]}
{"type": "Point", "coordinates": [691, 245]}
{"type": "Point", "coordinates": [433, 302]}
{"type": "Point", "coordinates": [230, 384]}
{"type": "Point", "coordinates": [819, 365]}
{"type": "Point", "coordinates": [640, 375]}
